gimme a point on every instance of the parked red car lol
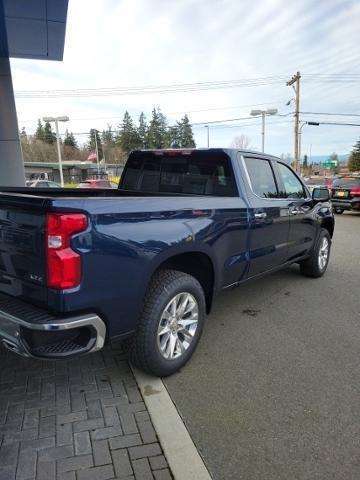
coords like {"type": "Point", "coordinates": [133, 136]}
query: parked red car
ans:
{"type": "Point", "coordinates": [98, 183]}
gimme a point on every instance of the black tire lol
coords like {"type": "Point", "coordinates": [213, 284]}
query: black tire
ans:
{"type": "Point", "coordinates": [311, 267]}
{"type": "Point", "coordinates": [142, 348]}
{"type": "Point", "coordinates": [338, 210]}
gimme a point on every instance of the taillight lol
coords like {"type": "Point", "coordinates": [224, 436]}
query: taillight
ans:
{"type": "Point", "coordinates": [63, 264]}
{"type": "Point", "coordinates": [355, 192]}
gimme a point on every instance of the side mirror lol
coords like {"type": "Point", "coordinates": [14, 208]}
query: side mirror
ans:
{"type": "Point", "coordinates": [320, 194]}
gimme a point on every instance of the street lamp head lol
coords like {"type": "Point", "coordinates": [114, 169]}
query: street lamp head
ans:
{"type": "Point", "coordinates": [63, 118]}
{"type": "Point", "coordinates": [271, 111]}
{"type": "Point", "coordinates": [255, 113]}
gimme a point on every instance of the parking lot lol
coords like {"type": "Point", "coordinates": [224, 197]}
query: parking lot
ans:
{"type": "Point", "coordinates": [271, 393]}
{"type": "Point", "coordinates": [273, 389]}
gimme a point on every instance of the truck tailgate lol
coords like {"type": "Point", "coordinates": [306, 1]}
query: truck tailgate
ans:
{"type": "Point", "coordinates": [22, 254]}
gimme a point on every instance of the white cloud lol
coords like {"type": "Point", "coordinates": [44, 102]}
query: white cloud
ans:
{"type": "Point", "coordinates": [138, 42]}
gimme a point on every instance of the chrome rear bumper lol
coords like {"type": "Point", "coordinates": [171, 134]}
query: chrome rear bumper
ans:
{"type": "Point", "coordinates": [53, 338]}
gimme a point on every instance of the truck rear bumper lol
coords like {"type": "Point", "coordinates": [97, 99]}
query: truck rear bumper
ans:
{"type": "Point", "coordinates": [31, 332]}
{"type": "Point", "coordinates": [353, 204]}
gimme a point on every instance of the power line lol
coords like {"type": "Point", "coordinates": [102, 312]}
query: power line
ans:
{"type": "Point", "coordinates": [181, 87]}
{"type": "Point", "coordinates": [149, 89]}
{"type": "Point", "coordinates": [335, 114]}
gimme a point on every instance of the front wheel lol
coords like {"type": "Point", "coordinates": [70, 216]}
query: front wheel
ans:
{"type": "Point", "coordinates": [316, 265]}
{"type": "Point", "coordinates": [171, 323]}
{"type": "Point", "coordinates": [339, 210]}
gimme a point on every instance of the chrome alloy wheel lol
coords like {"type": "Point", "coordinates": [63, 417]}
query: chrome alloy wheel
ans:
{"type": "Point", "coordinates": [323, 253]}
{"type": "Point", "coordinates": [177, 326]}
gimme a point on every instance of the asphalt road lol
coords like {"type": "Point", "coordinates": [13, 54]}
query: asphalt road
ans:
{"type": "Point", "coordinates": [273, 391]}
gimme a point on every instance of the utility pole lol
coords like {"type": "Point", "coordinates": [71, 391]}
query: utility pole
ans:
{"type": "Point", "coordinates": [296, 80]}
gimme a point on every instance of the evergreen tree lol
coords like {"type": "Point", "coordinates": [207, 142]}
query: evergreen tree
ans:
{"type": "Point", "coordinates": [157, 136]}
{"type": "Point", "coordinates": [92, 143]}
{"type": "Point", "coordinates": [186, 133]}
{"type": "Point", "coordinates": [128, 138]}
{"type": "Point", "coordinates": [305, 161]}
{"type": "Point", "coordinates": [23, 135]}
{"type": "Point", "coordinates": [107, 137]}
{"type": "Point", "coordinates": [174, 136]}
{"type": "Point", "coordinates": [70, 140]}
{"type": "Point", "coordinates": [354, 160]}
{"type": "Point", "coordinates": [49, 135]}
{"type": "Point", "coordinates": [108, 141]}
{"type": "Point", "coordinates": [143, 131]}
{"type": "Point", "coordinates": [40, 133]}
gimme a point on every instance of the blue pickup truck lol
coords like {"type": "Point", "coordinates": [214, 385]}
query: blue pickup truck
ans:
{"type": "Point", "coordinates": [144, 262]}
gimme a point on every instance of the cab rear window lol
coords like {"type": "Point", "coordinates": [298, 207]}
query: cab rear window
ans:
{"type": "Point", "coordinates": [192, 173]}
{"type": "Point", "coordinates": [347, 182]}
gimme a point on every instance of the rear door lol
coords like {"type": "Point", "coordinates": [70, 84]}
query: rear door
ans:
{"type": "Point", "coordinates": [269, 216]}
{"type": "Point", "coordinates": [303, 227]}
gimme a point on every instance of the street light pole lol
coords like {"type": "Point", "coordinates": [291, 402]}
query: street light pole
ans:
{"type": "Point", "coordinates": [263, 113]}
{"type": "Point", "coordinates": [208, 135]}
{"type": "Point", "coordinates": [315, 124]}
{"type": "Point", "coordinates": [59, 153]}
{"type": "Point", "coordinates": [56, 120]}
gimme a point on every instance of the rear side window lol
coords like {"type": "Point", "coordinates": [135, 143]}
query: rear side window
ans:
{"type": "Point", "coordinates": [261, 177]}
{"type": "Point", "coordinates": [193, 173]}
{"type": "Point", "coordinates": [292, 187]}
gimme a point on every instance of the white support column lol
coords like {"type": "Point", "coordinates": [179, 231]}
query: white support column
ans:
{"type": "Point", "coordinates": [11, 162]}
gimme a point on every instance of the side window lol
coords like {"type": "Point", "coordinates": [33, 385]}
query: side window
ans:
{"type": "Point", "coordinates": [261, 177]}
{"type": "Point", "coordinates": [293, 186]}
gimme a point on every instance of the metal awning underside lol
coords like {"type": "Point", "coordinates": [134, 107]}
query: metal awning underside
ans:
{"type": "Point", "coordinates": [33, 28]}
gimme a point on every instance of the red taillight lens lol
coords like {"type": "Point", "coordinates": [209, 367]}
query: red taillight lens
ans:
{"type": "Point", "coordinates": [63, 264]}
{"type": "Point", "coordinates": [355, 192]}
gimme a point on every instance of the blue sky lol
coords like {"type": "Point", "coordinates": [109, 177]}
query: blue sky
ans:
{"type": "Point", "coordinates": [115, 43]}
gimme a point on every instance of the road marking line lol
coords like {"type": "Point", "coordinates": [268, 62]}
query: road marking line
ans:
{"type": "Point", "coordinates": [183, 458]}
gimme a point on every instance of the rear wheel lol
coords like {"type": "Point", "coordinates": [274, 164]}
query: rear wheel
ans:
{"type": "Point", "coordinates": [339, 210]}
{"type": "Point", "coordinates": [317, 264]}
{"type": "Point", "coordinates": [171, 323]}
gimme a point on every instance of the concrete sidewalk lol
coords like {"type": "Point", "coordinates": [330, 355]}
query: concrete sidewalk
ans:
{"type": "Point", "coordinates": [83, 419]}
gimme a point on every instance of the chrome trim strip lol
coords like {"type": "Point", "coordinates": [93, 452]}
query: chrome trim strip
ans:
{"type": "Point", "coordinates": [91, 320]}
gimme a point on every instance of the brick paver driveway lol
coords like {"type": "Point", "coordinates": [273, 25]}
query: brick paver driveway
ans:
{"type": "Point", "coordinates": [75, 420]}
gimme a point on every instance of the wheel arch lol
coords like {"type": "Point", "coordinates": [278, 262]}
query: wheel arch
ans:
{"type": "Point", "coordinates": [328, 224]}
{"type": "Point", "coordinates": [195, 263]}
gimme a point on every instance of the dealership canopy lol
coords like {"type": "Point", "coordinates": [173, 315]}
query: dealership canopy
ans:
{"type": "Point", "coordinates": [33, 29]}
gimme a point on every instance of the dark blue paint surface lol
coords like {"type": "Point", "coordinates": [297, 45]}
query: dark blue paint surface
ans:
{"type": "Point", "coordinates": [128, 238]}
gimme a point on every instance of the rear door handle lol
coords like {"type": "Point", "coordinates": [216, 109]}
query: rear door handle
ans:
{"type": "Point", "coordinates": [260, 216]}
